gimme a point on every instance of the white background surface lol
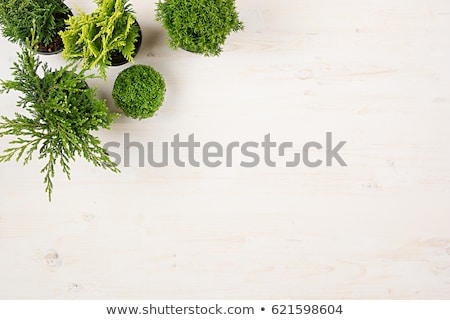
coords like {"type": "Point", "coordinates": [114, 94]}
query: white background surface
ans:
{"type": "Point", "coordinates": [375, 73]}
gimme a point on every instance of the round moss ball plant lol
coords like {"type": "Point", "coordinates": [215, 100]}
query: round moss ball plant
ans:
{"type": "Point", "coordinates": [139, 91]}
{"type": "Point", "coordinates": [200, 26]}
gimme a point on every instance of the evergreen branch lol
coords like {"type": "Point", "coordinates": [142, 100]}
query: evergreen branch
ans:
{"type": "Point", "coordinates": [62, 113]}
{"type": "Point", "coordinates": [93, 38]}
{"type": "Point", "coordinates": [18, 17]}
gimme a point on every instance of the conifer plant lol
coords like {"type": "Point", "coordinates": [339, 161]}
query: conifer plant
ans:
{"type": "Point", "coordinates": [58, 114]}
{"type": "Point", "coordinates": [108, 36]}
{"type": "Point", "coordinates": [45, 17]}
{"type": "Point", "coordinates": [199, 26]}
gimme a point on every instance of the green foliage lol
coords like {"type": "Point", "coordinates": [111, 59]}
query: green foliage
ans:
{"type": "Point", "coordinates": [139, 91]}
{"type": "Point", "coordinates": [94, 38]}
{"type": "Point", "coordinates": [17, 18]}
{"type": "Point", "coordinates": [60, 112]}
{"type": "Point", "coordinates": [200, 26]}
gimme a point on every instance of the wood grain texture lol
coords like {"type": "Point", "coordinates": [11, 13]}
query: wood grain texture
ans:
{"type": "Point", "coordinates": [375, 73]}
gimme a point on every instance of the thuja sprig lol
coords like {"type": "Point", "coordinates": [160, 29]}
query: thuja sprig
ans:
{"type": "Point", "coordinates": [93, 38]}
{"type": "Point", "coordinates": [18, 16]}
{"type": "Point", "coordinates": [60, 114]}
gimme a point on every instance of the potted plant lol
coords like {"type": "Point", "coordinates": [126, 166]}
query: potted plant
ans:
{"type": "Point", "coordinates": [47, 17]}
{"type": "Point", "coordinates": [199, 26]}
{"type": "Point", "coordinates": [108, 36]}
{"type": "Point", "coordinates": [139, 91]}
{"type": "Point", "coordinates": [59, 113]}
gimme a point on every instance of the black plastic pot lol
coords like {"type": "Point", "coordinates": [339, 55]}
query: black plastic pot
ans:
{"type": "Point", "coordinates": [117, 59]}
{"type": "Point", "coordinates": [57, 51]}
{"type": "Point", "coordinates": [58, 40]}
{"type": "Point", "coordinates": [188, 50]}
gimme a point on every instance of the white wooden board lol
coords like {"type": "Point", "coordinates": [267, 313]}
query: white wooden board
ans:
{"type": "Point", "coordinates": [375, 73]}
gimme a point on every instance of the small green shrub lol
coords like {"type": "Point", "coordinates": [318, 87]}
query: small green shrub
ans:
{"type": "Point", "coordinates": [95, 38]}
{"type": "Point", "coordinates": [60, 113]}
{"type": "Point", "coordinates": [200, 26]}
{"type": "Point", "coordinates": [139, 91]}
{"type": "Point", "coordinates": [17, 18]}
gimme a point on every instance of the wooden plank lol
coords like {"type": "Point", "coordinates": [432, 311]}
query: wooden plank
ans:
{"type": "Point", "coordinates": [375, 73]}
